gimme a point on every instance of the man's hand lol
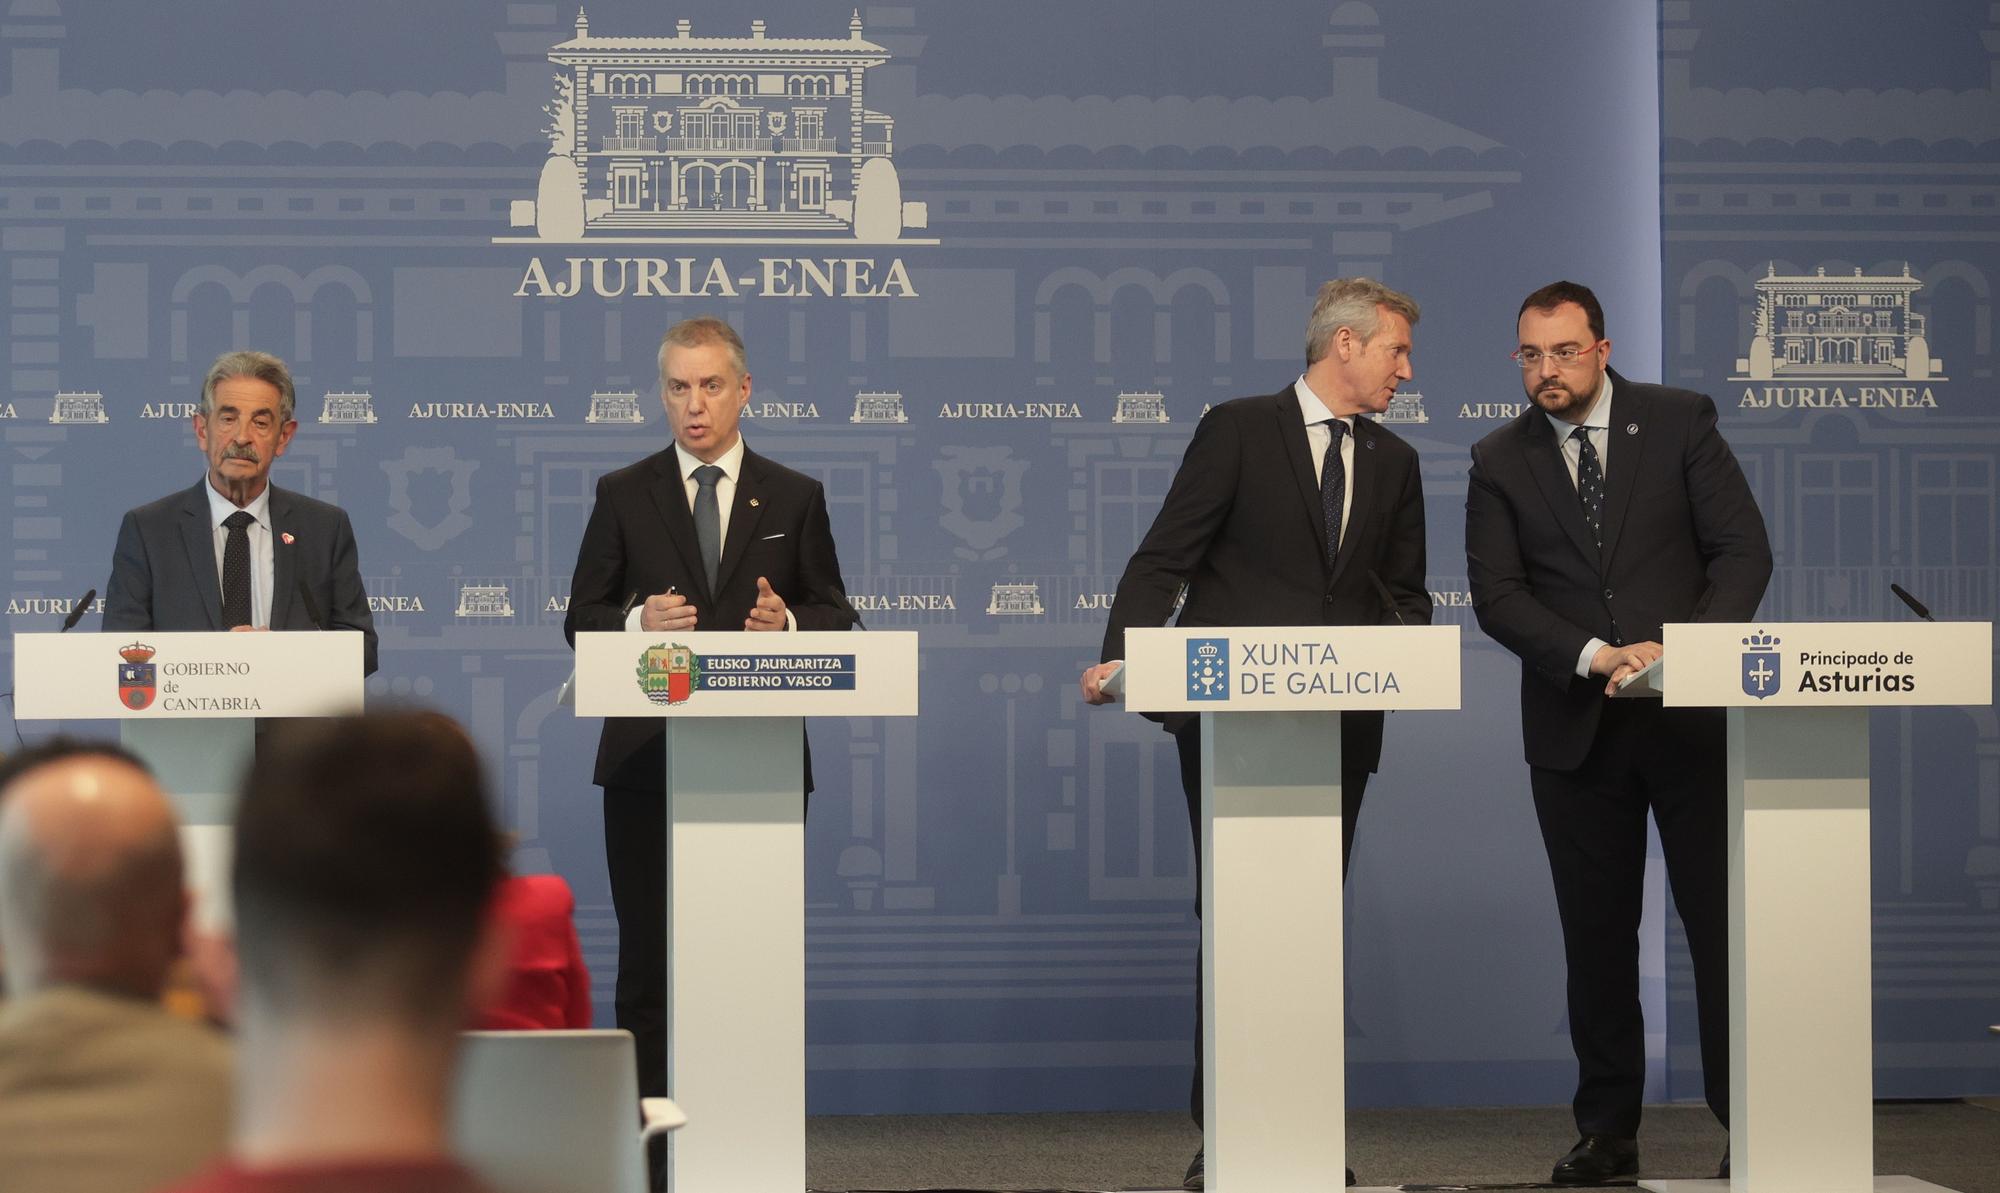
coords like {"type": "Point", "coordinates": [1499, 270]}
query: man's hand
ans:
{"type": "Point", "coordinates": [249, 629]}
{"type": "Point", "coordinates": [1617, 662]}
{"type": "Point", "coordinates": [1092, 682]}
{"type": "Point", "coordinates": [666, 611]}
{"type": "Point", "coordinates": [769, 611]}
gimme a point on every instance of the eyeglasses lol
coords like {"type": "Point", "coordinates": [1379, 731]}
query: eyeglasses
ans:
{"type": "Point", "coordinates": [1532, 358]}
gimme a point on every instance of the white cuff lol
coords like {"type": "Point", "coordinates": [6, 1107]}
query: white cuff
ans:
{"type": "Point", "coordinates": [1590, 650]}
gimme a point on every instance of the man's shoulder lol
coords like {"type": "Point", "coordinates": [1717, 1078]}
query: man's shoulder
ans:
{"type": "Point", "coordinates": [639, 472]}
{"type": "Point", "coordinates": [1367, 430]}
{"type": "Point", "coordinates": [776, 475]}
{"type": "Point", "coordinates": [110, 1033]}
{"type": "Point", "coordinates": [1655, 398]}
{"type": "Point", "coordinates": [298, 505]}
{"type": "Point", "coordinates": [160, 509]}
{"type": "Point", "coordinates": [1511, 434]}
{"type": "Point", "coordinates": [1251, 406]}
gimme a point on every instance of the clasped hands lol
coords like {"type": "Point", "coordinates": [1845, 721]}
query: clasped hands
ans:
{"type": "Point", "coordinates": [670, 610]}
{"type": "Point", "coordinates": [1617, 662]}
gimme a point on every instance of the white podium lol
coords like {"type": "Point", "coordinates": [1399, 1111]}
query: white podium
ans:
{"type": "Point", "coordinates": [1273, 1045]}
{"type": "Point", "coordinates": [1800, 1030]}
{"type": "Point", "coordinates": [188, 704]}
{"type": "Point", "coordinates": [733, 704]}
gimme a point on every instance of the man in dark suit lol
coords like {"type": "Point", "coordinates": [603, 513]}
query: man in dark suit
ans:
{"type": "Point", "coordinates": [706, 535]}
{"type": "Point", "coordinates": [236, 552]}
{"type": "Point", "coordinates": [1607, 510]}
{"type": "Point", "coordinates": [1290, 509]}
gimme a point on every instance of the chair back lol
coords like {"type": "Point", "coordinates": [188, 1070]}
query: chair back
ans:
{"type": "Point", "coordinates": [550, 1111]}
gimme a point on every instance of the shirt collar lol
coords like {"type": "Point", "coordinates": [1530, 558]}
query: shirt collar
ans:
{"type": "Point", "coordinates": [220, 507]}
{"type": "Point", "coordinates": [731, 461]}
{"type": "Point", "coordinates": [1314, 410]}
{"type": "Point", "coordinates": [1599, 418]}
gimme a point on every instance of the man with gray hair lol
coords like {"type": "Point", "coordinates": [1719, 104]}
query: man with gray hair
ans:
{"type": "Point", "coordinates": [236, 552]}
{"type": "Point", "coordinates": [100, 1087]}
{"type": "Point", "coordinates": [1291, 509]}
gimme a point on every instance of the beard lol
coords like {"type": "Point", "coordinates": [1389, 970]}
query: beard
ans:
{"type": "Point", "coordinates": [1557, 396]}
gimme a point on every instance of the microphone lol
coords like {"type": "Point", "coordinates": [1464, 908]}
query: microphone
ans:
{"type": "Point", "coordinates": [82, 607]}
{"type": "Point", "coordinates": [840, 595]}
{"type": "Point", "coordinates": [312, 606]}
{"type": "Point", "coordinates": [1916, 606]}
{"type": "Point", "coordinates": [1388, 601]}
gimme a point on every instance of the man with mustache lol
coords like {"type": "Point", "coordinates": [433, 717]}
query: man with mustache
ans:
{"type": "Point", "coordinates": [234, 552]}
{"type": "Point", "coordinates": [1602, 513]}
{"type": "Point", "coordinates": [1291, 509]}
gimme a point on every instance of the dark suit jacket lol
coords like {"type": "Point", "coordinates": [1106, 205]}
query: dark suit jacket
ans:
{"type": "Point", "coordinates": [1683, 541]}
{"type": "Point", "coordinates": [641, 539]}
{"type": "Point", "coordinates": [1243, 529]}
{"type": "Point", "coordinates": [163, 572]}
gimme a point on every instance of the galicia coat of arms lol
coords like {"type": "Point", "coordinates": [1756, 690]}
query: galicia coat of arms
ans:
{"type": "Point", "coordinates": [1760, 665]}
{"type": "Point", "coordinates": [1208, 668]}
{"type": "Point", "coordinates": [668, 674]}
{"type": "Point", "coordinates": [135, 676]}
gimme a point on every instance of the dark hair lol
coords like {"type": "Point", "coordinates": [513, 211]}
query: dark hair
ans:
{"type": "Point", "coordinates": [366, 857]}
{"type": "Point", "coordinates": [1553, 295]}
{"type": "Point", "coordinates": [61, 749]}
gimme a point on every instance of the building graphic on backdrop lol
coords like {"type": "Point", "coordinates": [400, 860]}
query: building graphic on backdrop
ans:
{"type": "Point", "coordinates": [620, 406]}
{"type": "Point", "coordinates": [1407, 407]}
{"type": "Point", "coordinates": [696, 138]}
{"type": "Point", "coordinates": [348, 408]}
{"type": "Point", "coordinates": [878, 408]}
{"type": "Point", "coordinates": [75, 408]}
{"type": "Point", "coordinates": [1849, 327]}
{"type": "Point", "coordinates": [1140, 408]}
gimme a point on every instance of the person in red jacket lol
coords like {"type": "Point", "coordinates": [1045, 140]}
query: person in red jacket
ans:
{"type": "Point", "coordinates": [547, 984]}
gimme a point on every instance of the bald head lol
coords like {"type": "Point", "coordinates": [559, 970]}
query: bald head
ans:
{"type": "Point", "coordinates": [90, 877]}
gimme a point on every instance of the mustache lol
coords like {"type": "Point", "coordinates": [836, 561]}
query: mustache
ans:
{"type": "Point", "coordinates": [235, 451]}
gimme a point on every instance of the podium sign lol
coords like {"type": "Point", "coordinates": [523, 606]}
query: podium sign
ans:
{"type": "Point", "coordinates": [174, 677]}
{"type": "Point", "coordinates": [636, 673]}
{"type": "Point", "coordinates": [1273, 1045]}
{"type": "Point", "coordinates": [1291, 668]}
{"type": "Point", "coordinates": [1829, 664]}
{"type": "Point", "coordinates": [1801, 1033]}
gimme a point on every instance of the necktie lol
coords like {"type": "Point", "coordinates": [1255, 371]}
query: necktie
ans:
{"type": "Point", "coordinates": [236, 571]}
{"type": "Point", "coordinates": [708, 521]}
{"type": "Point", "coordinates": [1589, 483]}
{"type": "Point", "coordinates": [1332, 486]}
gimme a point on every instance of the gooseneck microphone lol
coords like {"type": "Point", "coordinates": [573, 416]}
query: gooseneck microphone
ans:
{"type": "Point", "coordinates": [1388, 601]}
{"type": "Point", "coordinates": [76, 613]}
{"type": "Point", "coordinates": [1916, 606]}
{"type": "Point", "coordinates": [312, 606]}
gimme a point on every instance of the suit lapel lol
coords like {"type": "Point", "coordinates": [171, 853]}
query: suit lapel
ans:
{"type": "Point", "coordinates": [1545, 463]}
{"type": "Point", "coordinates": [1298, 453]}
{"type": "Point", "coordinates": [1622, 464]}
{"type": "Point", "coordinates": [1360, 482]}
{"type": "Point", "coordinates": [670, 499]}
{"type": "Point", "coordinates": [198, 536]}
{"type": "Point", "coordinates": [744, 510]}
{"type": "Point", "coordinates": [284, 558]}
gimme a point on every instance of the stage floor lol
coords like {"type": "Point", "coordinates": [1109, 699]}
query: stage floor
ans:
{"type": "Point", "coordinates": [1953, 1144]}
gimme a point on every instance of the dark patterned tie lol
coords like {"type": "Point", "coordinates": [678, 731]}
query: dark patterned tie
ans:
{"type": "Point", "coordinates": [708, 521]}
{"type": "Point", "coordinates": [1589, 483]}
{"type": "Point", "coordinates": [1332, 486]}
{"type": "Point", "coordinates": [236, 571]}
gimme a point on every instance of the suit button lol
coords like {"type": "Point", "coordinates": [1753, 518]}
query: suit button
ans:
{"type": "Point", "coordinates": [1607, 594]}
{"type": "Point", "coordinates": [1327, 599]}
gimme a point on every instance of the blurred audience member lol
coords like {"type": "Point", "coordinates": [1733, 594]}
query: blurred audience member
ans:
{"type": "Point", "coordinates": [547, 984]}
{"type": "Point", "coordinates": [100, 1087]}
{"type": "Point", "coordinates": [365, 869]}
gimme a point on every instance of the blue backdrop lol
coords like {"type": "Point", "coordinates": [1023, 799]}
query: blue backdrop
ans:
{"type": "Point", "coordinates": [992, 262]}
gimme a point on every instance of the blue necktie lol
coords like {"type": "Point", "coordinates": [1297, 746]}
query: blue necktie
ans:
{"type": "Point", "coordinates": [708, 522]}
{"type": "Point", "coordinates": [1332, 486]}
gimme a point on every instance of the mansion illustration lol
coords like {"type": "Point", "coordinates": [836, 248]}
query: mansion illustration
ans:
{"type": "Point", "coordinates": [1859, 326]}
{"type": "Point", "coordinates": [689, 137]}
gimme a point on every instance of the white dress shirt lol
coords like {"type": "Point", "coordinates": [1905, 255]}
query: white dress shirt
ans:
{"type": "Point", "coordinates": [731, 463]}
{"type": "Point", "coordinates": [1597, 427]}
{"type": "Point", "coordinates": [1317, 436]}
{"type": "Point", "coordinates": [263, 564]}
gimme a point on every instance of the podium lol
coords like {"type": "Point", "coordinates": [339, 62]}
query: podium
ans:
{"type": "Point", "coordinates": [733, 704]}
{"type": "Point", "coordinates": [1273, 1044]}
{"type": "Point", "coordinates": [1800, 1031]}
{"type": "Point", "coordinates": [188, 704]}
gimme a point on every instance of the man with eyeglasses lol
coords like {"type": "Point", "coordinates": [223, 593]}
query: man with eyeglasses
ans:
{"type": "Point", "coordinates": [1605, 511]}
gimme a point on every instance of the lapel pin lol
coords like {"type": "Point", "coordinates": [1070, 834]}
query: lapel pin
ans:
{"type": "Point", "coordinates": [1370, 445]}
{"type": "Point", "coordinates": [288, 539]}
{"type": "Point", "coordinates": [1631, 428]}
{"type": "Point", "coordinates": [753, 503]}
